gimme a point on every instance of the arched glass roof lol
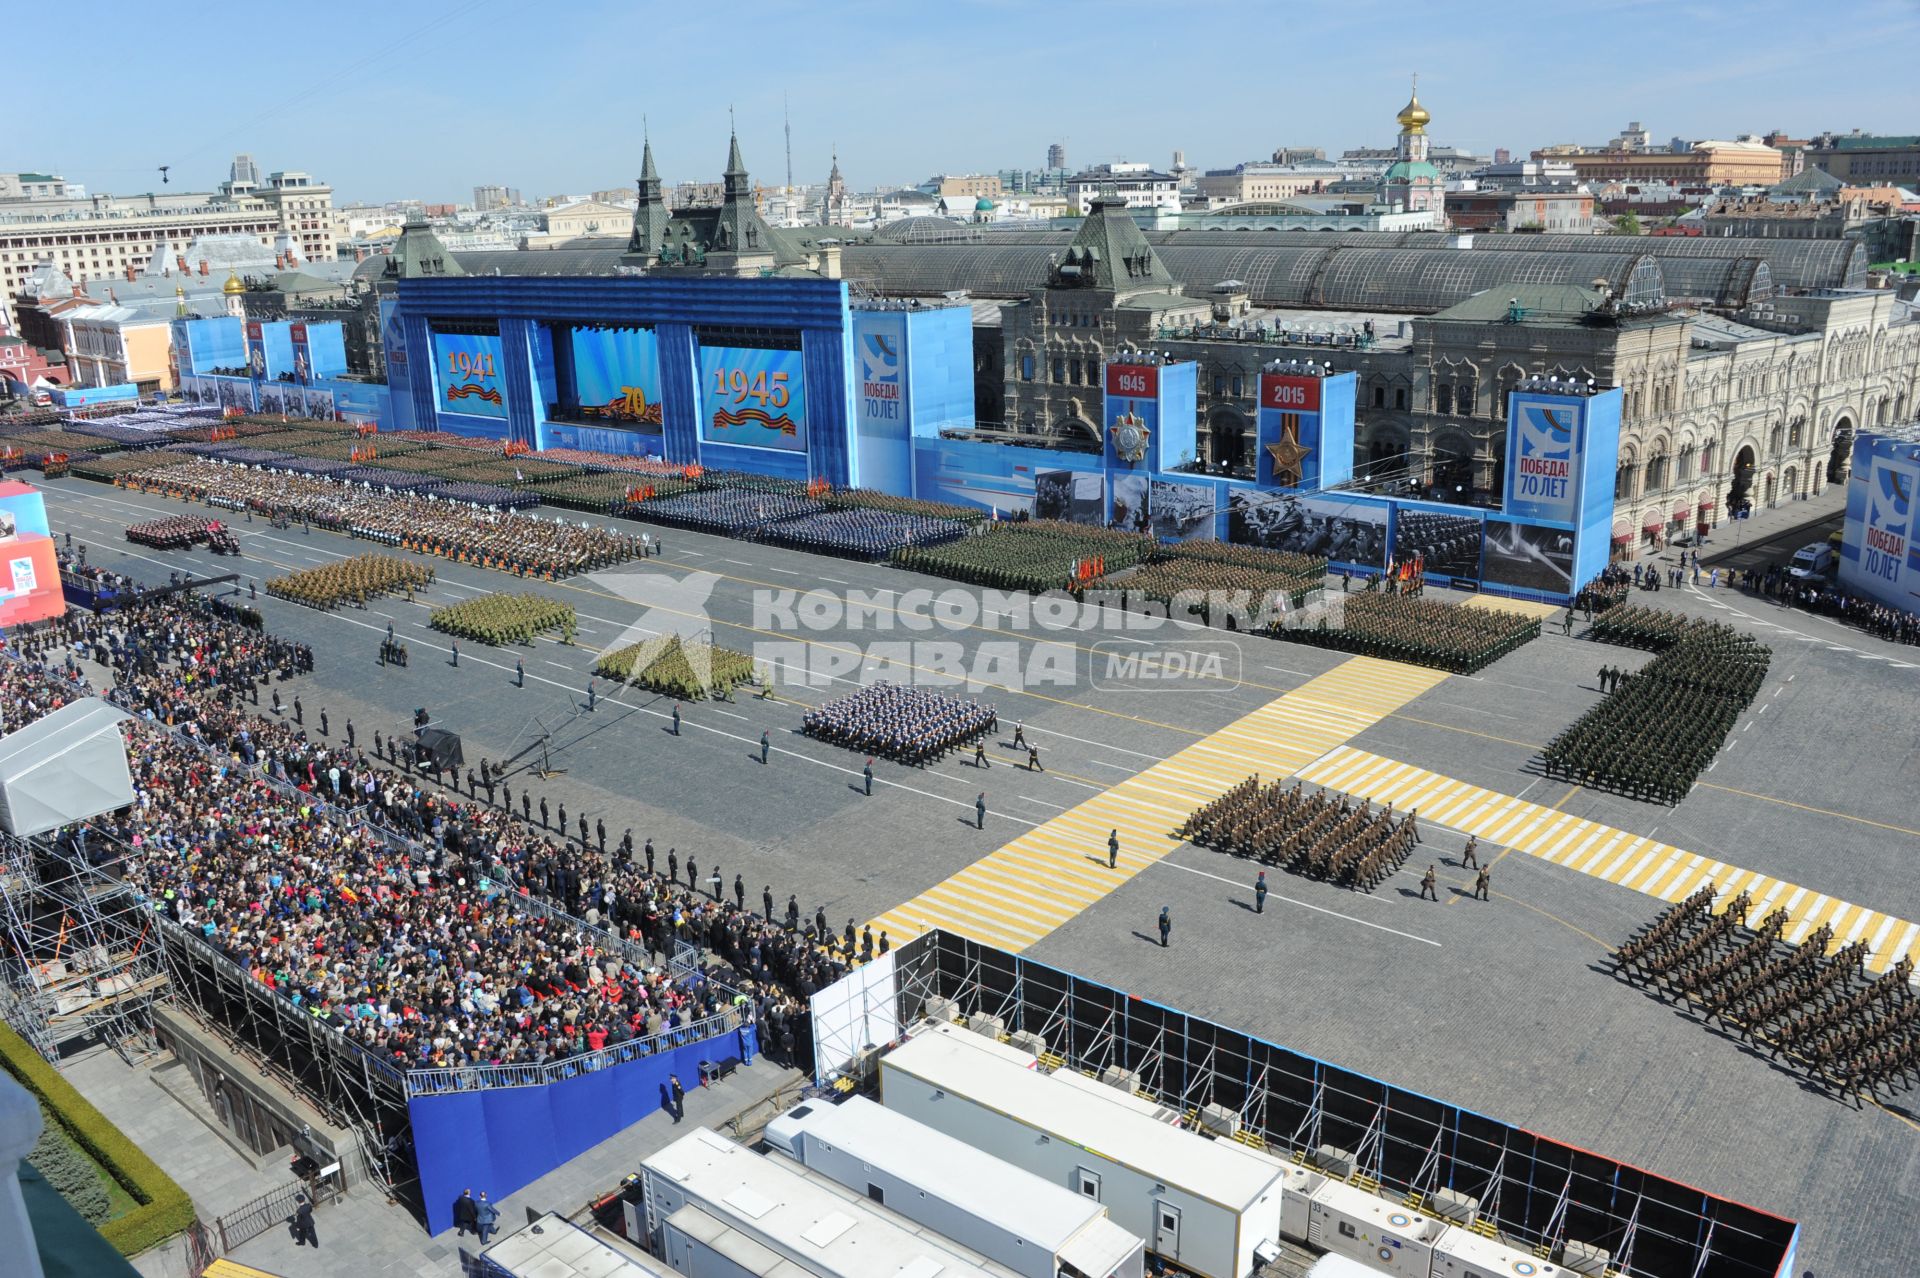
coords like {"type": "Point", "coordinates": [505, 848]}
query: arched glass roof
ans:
{"type": "Point", "coordinates": [1717, 281]}
{"type": "Point", "coordinates": [927, 230]}
{"type": "Point", "coordinates": [1331, 276]}
{"type": "Point", "coordinates": [1793, 263]}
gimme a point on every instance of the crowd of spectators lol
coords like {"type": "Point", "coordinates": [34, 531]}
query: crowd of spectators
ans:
{"type": "Point", "coordinates": [1883, 621]}
{"type": "Point", "coordinates": [372, 898]}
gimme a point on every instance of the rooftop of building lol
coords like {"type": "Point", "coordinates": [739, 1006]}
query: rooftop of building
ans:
{"type": "Point", "coordinates": [1091, 176]}
{"type": "Point", "coordinates": [1536, 305]}
{"type": "Point", "coordinates": [968, 1065]}
{"type": "Point", "coordinates": [1869, 141]}
{"type": "Point", "coordinates": [782, 1202]}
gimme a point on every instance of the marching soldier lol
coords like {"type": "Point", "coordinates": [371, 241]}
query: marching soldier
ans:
{"type": "Point", "coordinates": [1427, 889]}
{"type": "Point", "coordinates": [1480, 882]}
{"type": "Point", "coordinates": [1468, 859]}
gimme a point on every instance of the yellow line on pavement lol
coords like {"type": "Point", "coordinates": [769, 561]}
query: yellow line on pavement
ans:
{"type": "Point", "coordinates": [1019, 893]}
{"type": "Point", "coordinates": [1525, 607]}
{"type": "Point", "coordinates": [1617, 856]}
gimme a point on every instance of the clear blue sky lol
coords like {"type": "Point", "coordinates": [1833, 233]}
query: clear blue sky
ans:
{"type": "Point", "coordinates": [427, 98]}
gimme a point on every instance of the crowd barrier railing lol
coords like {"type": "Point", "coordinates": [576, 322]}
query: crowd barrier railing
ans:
{"type": "Point", "coordinates": [471, 1078]}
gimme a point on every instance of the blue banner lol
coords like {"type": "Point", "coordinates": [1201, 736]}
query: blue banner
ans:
{"type": "Point", "coordinates": [616, 373]}
{"type": "Point", "coordinates": [256, 358]}
{"type": "Point", "coordinates": [880, 344]}
{"type": "Point", "coordinates": [503, 1139]}
{"type": "Point", "coordinates": [753, 398]}
{"type": "Point", "coordinates": [1543, 460]}
{"type": "Point", "coordinates": [468, 373]}
{"type": "Point", "coordinates": [302, 353]}
{"type": "Point", "coordinates": [1880, 555]}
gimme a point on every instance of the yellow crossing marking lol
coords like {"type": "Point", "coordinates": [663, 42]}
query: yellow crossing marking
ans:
{"type": "Point", "coordinates": [1630, 860]}
{"type": "Point", "coordinates": [1525, 607]}
{"type": "Point", "coordinates": [1026, 889]}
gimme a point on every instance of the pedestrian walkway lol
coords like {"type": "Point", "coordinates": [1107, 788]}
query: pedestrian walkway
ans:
{"type": "Point", "coordinates": [1031, 886]}
{"type": "Point", "coordinates": [1525, 607]}
{"type": "Point", "coordinates": [1604, 852]}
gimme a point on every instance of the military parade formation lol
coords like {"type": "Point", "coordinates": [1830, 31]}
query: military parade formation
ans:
{"type": "Point", "coordinates": [175, 532]}
{"type": "Point", "coordinates": [1809, 1008]}
{"type": "Point", "coordinates": [507, 541]}
{"type": "Point", "coordinates": [1421, 632]}
{"type": "Point", "coordinates": [729, 512]}
{"type": "Point", "coordinates": [1035, 555]}
{"type": "Point", "coordinates": [909, 725]}
{"type": "Point", "coordinates": [1656, 730]}
{"type": "Point", "coordinates": [351, 581]}
{"type": "Point", "coordinates": [1317, 835]}
{"type": "Point", "coordinates": [869, 535]}
{"type": "Point", "coordinates": [505, 619]}
{"type": "Point", "coordinates": [675, 667]}
{"type": "Point", "coordinates": [1223, 574]}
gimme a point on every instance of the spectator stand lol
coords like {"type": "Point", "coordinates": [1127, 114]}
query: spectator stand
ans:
{"type": "Point", "coordinates": [506, 1123]}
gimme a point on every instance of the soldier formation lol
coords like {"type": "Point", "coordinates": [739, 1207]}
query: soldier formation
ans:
{"type": "Point", "coordinates": [679, 668]}
{"type": "Point", "coordinates": [505, 619]}
{"type": "Point", "coordinates": [1034, 555]}
{"type": "Point", "coordinates": [508, 541]}
{"type": "Point", "coordinates": [350, 581]}
{"type": "Point", "coordinates": [1816, 1011]}
{"type": "Point", "coordinates": [909, 725]}
{"type": "Point", "coordinates": [861, 534]}
{"type": "Point", "coordinates": [1657, 730]}
{"type": "Point", "coordinates": [1420, 631]}
{"type": "Point", "coordinates": [180, 532]}
{"type": "Point", "coordinates": [1262, 594]}
{"type": "Point", "coordinates": [1317, 835]}
{"type": "Point", "coordinates": [729, 512]}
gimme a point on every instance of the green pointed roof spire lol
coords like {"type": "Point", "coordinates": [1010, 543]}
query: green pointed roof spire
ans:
{"type": "Point", "coordinates": [651, 217]}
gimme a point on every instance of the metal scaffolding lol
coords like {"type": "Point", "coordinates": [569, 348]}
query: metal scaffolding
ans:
{"type": "Point", "coordinates": [1535, 1193]}
{"type": "Point", "coordinates": [83, 957]}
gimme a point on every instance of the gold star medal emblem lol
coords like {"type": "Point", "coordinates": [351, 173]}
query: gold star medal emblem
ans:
{"type": "Point", "coordinates": [1287, 455]}
{"type": "Point", "coordinates": [1130, 435]}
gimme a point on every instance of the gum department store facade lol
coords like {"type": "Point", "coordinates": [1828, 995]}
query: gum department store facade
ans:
{"type": "Point", "coordinates": [1747, 364]}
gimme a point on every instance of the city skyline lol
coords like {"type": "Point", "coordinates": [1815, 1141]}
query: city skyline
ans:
{"type": "Point", "coordinates": [1685, 71]}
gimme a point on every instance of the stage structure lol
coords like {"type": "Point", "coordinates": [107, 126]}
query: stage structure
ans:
{"type": "Point", "coordinates": [1531, 1191]}
{"type": "Point", "coordinates": [292, 367]}
{"type": "Point", "coordinates": [791, 378]}
{"type": "Point", "coordinates": [1879, 557]}
{"type": "Point", "coordinates": [85, 958]}
{"type": "Point", "coordinates": [64, 767]}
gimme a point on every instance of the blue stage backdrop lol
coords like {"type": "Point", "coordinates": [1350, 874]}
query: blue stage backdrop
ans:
{"type": "Point", "coordinates": [753, 398]}
{"type": "Point", "coordinates": [505, 1138]}
{"type": "Point", "coordinates": [1879, 554]}
{"type": "Point", "coordinates": [468, 370]}
{"type": "Point", "coordinates": [617, 374]}
{"type": "Point", "coordinates": [1544, 455]}
{"type": "Point", "coordinates": [883, 447]}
